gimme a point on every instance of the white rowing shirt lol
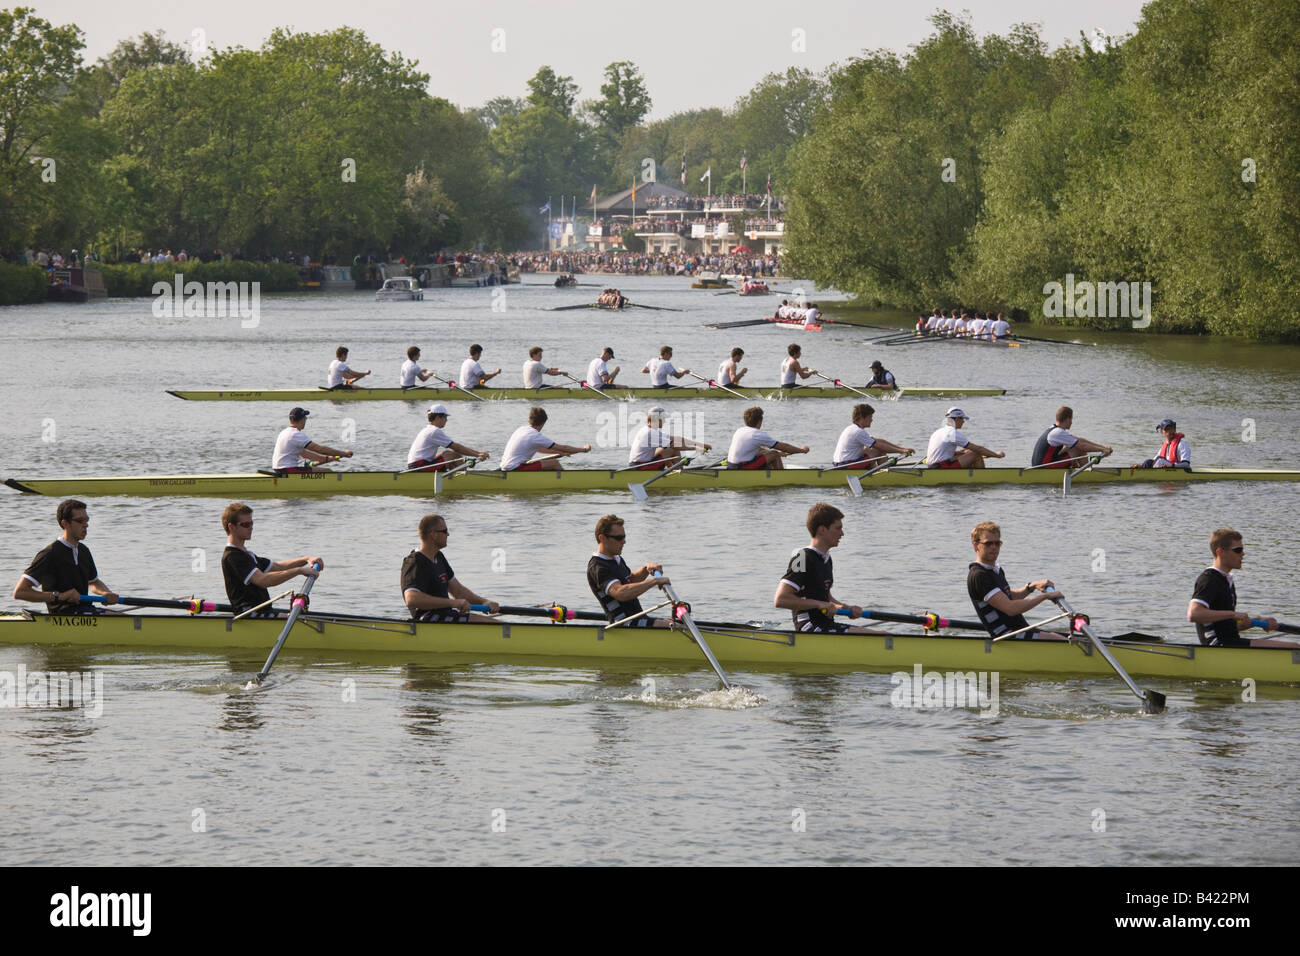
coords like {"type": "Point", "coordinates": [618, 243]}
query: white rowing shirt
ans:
{"type": "Point", "coordinates": [428, 443]}
{"type": "Point", "coordinates": [595, 370]}
{"type": "Point", "coordinates": [534, 373]}
{"type": "Point", "coordinates": [471, 373]}
{"type": "Point", "coordinates": [644, 444]}
{"type": "Point", "coordinates": [660, 369]}
{"type": "Point", "coordinates": [288, 447]}
{"type": "Point", "coordinates": [1000, 328]}
{"type": "Point", "coordinates": [944, 444]}
{"type": "Point", "coordinates": [747, 444]}
{"type": "Point", "coordinates": [337, 368]}
{"type": "Point", "coordinates": [727, 372]}
{"type": "Point", "coordinates": [1061, 438]}
{"type": "Point", "coordinates": [814, 314]}
{"type": "Point", "coordinates": [788, 370]}
{"type": "Point", "coordinates": [410, 371]}
{"type": "Point", "coordinates": [522, 444]}
{"type": "Point", "coordinates": [854, 445]}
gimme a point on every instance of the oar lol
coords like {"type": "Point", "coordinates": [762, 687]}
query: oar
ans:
{"type": "Point", "coordinates": [638, 490]}
{"type": "Point", "coordinates": [714, 384]}
{"type": "Point", "coordinates": [855, 481]}
{"type": "Point", "coordinates": [653, 308]}
{"type": "Point", "coordinates": [468, 391]}
{"type": "Point", "coordinates": [558, 613]}
{"type": "Point", "coordinates": [570, 308]}
{"type": "Point", "coordinates": [299, 603]}
{"type": "Point", "coordinates": [193, 605]}
{"type": "Point", "coordinates": [683, 613]}
{"type": "Point", "coordinates": [1256, 622]}
{"type": "Point", "coordinates": [929, 620]}
{"type": "Point", "coordinates": [1153, 702]}
{"type": "Point", "coordinates": [642, 465]}
{"type": "Point", "coordinates": [581, 385]}
{"type": "Point", "coordinates": [450, 461]}
{"type": "Point", "coordinates": [1029, 338]}
{"type": "Point", "coordinates": [838, 384]}
{"type": "Point", "coordinates": [735, 325]}
{"type": "Point", "coordinates": [1070, 475]}
{"type": "Point", "coordinates": [727, 292]}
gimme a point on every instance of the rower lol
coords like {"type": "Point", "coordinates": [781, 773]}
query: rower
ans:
{"type": "Point", "coordinates": [430, 588]}
{"type": "Point", "coordinates": [660, 368]}
{"type": "Point", "coordinates": [858, 449]}
{"type": "Point", "coordinates": [341, 376]}
{"type": "Point", "coordinates": [1001, 328]}
{"type": "Point", "coordinates": [881, 377]}
{"type": "Point", "coordinates": [652, 449]}
{"type": "Point", "coordinates": [430, 450]}
{"type": "Point", "coordinates": [1213, 608]}
{"type": "Point", "coordinates": [791, 367]}
{"type": "Point", "coordinates": [411, 369]}
{"type": "Point", "coordinates": [934, 323]}
{"type": "Point", "coordinates": [949, 448]}
{"type": "Point", "coordinates": [753, 448]}
{"type": "Point", "coordinates": [535, 369]}
{"type": "Point", "coordinates": [1000, 607]}
{"type": "Point", "coordinates": [528, 439]}
{"type": "Point", "coordinates": [729, 372]}
{"type": "Point", "coordinates": [813, 316]}
{"type": "Point", "coordinates": [292, 445]}
{"type": "Point", "coordinates": [64, 570]}
{"type": "Point", "coordinates": [247, 576]}
{"type": "Point", "coordinates": [599, 376]}
{"type": "Point", "coordinates": [1057, 448]}
{"type": "Point", "coordinates": [471, 372]}
{"type": "Point", "coordinates": [1174, 452]}
{"type": "Point", "coordinates": [805, 588]}
{"type": "Point", "coordinates": [616, 586]}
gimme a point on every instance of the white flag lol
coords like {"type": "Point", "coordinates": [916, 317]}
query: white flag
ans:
{"type": "Point", "coordinates": [707, 173]}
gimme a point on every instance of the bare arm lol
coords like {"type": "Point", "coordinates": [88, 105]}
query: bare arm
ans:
{"type": "Point", "coordinates": [466, 452]}
{"type": "Point", "coordinates": [786, 598]}
{"type": "Point", "coordinates": [324, 450]}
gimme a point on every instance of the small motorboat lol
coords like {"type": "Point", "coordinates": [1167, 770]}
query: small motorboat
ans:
{"type": "Point", "coordinates": [402, 288]}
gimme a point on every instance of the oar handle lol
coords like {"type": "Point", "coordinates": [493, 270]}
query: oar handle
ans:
{"type": "Point", "coordinates": [556, 612]}
{"type": "Point", "coordinates": [1284, 628]}
{"type": "Point", "coordinates": [193, 605]}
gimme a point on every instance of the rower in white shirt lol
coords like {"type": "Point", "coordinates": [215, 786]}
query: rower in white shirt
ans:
{"type": "Point", "coordinates": [729, 372]}
{"type": "Point", "coordinates": [791, 367]}
{"type": "Point", "coordinates": [949, 448]}
{"type": "Point", "coordinates": [528, 439]}
{"type": "Point", "coordinates": [411, 369]}
{"type": "Point", "coordinates": [659, 369]}
{"type": "Point", "coordinates": [535, 369]}
{"type": "Point", "coordinates": [652, 448]}
{"type": "Point", "coordinates": [471, 372]}
{"type": "Point", "coordinates": [433, 448]}
{"type": "Point", "coordinates": [1001, 328]}
{"type": "Point", "coordinates": [753, 448]}
{"type": "Point", "coordinates": [858, 449]}
{"type": "Point", "coordinates": [599, 376]}
{"type": "Point", "coordinates": [292, 446]}
{"type": "Point", "coordinates": [341, 375]}
{"type": "Point", "coordinates": [812, 316]}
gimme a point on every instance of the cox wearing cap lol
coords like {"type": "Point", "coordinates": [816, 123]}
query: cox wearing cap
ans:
{"type": "Point", "coordinates": [292, 446]}
{"type": "Point", "coordinates": [653, 449]}
{"type": "Point", "coordinates": [434, 450]}
{"type": "Point", "coordinates": [1174, 451]}
{"type": "Point", "coordinates": [949, 448]}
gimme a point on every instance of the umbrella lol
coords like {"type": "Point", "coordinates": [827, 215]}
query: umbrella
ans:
{"type": "Point", "coordinates": [742, 249]}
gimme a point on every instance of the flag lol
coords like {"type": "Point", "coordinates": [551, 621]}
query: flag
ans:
{"type": "Point", "coordinates": [545, 209]}
{"type": "Point", "coordinates": [743, 161]}
{"type": "Point", "coordinates": [634, 192]}
{"type": "Point", "coordinates": [593, 194]}
{"type": "Point", "coordinates": [769, 184]}
{"type": "Point", "coordinates": [707, 173]}
{"type": "Point", "coordinates": [683, 169]}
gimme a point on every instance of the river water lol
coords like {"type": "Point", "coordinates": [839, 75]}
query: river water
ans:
{"type": "Point", "coordinates": [480, 761]}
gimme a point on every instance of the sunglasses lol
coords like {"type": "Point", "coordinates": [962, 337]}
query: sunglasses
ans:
{"type": "Point", "coordinates": [617, 537]}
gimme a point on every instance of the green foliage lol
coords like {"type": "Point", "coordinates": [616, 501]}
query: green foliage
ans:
{"type": "Point", "coordinates": [557, 92]}
{"type": "Point", "coordinates": [623, 101]}
{"type": "Point", "coordinates": [632, 242]}
{"type": "Point", "coordinates": [137, 279]}
{"type": "Point", "coordinates": [21, 284]}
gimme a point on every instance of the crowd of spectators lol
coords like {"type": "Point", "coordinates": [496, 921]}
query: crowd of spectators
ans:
{"type": "Point", "coordinates": [725, 200]}
{"type": "Point", "coordinates": [659, 263]}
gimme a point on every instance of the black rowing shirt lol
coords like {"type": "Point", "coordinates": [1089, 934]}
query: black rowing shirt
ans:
{"type": "Point", "coordinates": [811, 575]}
{"type": "Point", "coordinates": [237, 566]}
{"type": "Point", "coordinates": [982, 582]}
{"type": "Point", "coordinates": [60, 567]}
{"type": "Point", "coordinates": [1216, 590]}
{"type": "Point", "coordinates": [431, 577]}
{"type": "Point", "coordinates": [602, 571]}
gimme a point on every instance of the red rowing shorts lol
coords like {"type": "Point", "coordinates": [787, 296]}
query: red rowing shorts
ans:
{"type": "Point", "coordinates": [954, 463]}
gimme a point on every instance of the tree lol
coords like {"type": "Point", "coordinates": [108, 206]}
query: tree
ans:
{"type": "Point", "coordinates": [623, 101]}
{"type": "Point", "coordinates": [494, 110]}
{"type": "Point", "coordinates": [557, 92]}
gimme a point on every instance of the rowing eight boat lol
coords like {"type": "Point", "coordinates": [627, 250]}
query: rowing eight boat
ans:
{"type": "Point", "coordinates": [495, 482]}
{"type": "Point", "coordinates": [443, 394]}
{"type": "Point", "coordinates": [733, 645]}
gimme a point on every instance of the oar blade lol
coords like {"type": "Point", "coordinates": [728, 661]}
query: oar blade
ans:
{"type": "Point", "coordinates": [1153, 702]}
{"type": "Point", "coordinates": [855, 485]}
{"type": "Point", "coordinates": [638, 492]}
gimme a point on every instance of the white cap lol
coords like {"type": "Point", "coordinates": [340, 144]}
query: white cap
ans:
{"type": "Point", "coordinates": [656, 412]}
{"type": "Point", "coordinates": [956, 412]}
{"type": "Point", "coordinates": [438, 410]}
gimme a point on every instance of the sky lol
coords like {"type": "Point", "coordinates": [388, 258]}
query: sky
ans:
{"type": "Point", "coordinates": [690, 57]}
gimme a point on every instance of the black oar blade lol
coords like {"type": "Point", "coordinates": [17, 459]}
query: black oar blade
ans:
{"type": "Point", "coordinates": [1153, 702]}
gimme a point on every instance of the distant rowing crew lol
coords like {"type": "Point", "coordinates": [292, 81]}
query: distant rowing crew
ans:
{"type": "Point", "coordinates": [808, 314]}
{"type": "Point", "coordinates": [964, 324]}
{"type": "Point", "coordinates": [64, 571]}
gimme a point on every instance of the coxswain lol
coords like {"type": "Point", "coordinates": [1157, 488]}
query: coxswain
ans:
{"type": "Point", "coordinates": [599, 376]}
{"type": "Point", "coordinates": [535, 370]}
{"type": "Point", "coordinates": [433, 449]}
{"type": "Point", "coordinates": [249, 577]}
{"type": "Point", "coordinates": [341, 375]}
{"type": "Point", "coordinates": [411, 369]}
{"type": "Point", "coordinates": [792, 369]}
{"type": "Point", "coordinates": [528, 439]}
{"type": "Point", "coordinates": [292, 446]}
{"type": "Point", "coordinates": [471, 372]}
{"type": "Point", "coordinates": [1001, 608]}
{"type": "Point", "coordinates": [430, 588]}
{"type": "Point", "coordinates": [729, 372]}
{"type": "Point", "coordinates": [1057, 448]}
{"type": "Point", "coordinates": [805, 588]}
{"type": "Point", "coordinates": [616, 586]}
{"type": "Point", "coordinates": [753, 448]}
{"type": "Point", "coordinates": [949, 448]}
{"type": "Point", "coordinates": [660, 368]}
{"type": "Point", "coordinates": [652, 448]}
{"type": "Point", "coordinates": [881, 377]}
{"type": "Point", "coordinates": [1213, 608]}
{"type": "Point", "coordinates": [64, 570]}
{"type": "Point", "coordinates": [858, 449]}
{"type": "Point", "coordinates": [1174, 452]}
